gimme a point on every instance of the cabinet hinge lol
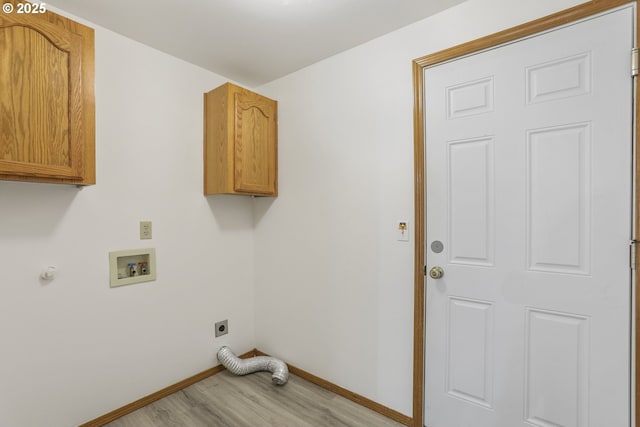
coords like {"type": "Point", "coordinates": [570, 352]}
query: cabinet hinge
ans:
{"type": "Point", "coordinates": [633, 253]}
{"type": "Point", "coordinates": [424, 270]}
{"type": "Point", "coordinates": [634, 62]}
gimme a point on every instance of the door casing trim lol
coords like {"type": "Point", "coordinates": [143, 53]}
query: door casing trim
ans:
{"type": "Point", "coordinates": [546, 23]}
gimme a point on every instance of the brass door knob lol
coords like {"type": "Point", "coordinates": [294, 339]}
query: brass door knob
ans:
{"type": "Point", "coordinates": [436, 272]}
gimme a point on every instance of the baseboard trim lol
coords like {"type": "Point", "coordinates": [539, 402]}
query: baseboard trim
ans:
{"type": "Point", "coordinates": [147, 400]}
{"type": "Point", "coordinates": [341, 391]}
{"type": "Point", "coordinates": [140, 403]}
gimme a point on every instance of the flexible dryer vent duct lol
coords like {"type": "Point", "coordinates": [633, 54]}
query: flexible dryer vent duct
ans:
{"type": "Point", "coordinates": [237, 366]}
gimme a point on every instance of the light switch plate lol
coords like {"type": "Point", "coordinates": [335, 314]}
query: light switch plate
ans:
{"type": "Point", "coordinates": [146, 231]}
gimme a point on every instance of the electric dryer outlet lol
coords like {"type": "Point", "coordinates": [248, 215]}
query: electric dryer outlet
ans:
{"type": "Point", "coordinates": [222, 328]}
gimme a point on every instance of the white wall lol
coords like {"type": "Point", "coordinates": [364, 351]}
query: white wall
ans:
{"type": "Point", "coordinates": [334, 288]}
{"type": "Point", "coordinates": [74, 349]}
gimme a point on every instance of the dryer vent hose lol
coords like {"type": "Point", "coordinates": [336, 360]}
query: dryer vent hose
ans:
{"type": "Point", "coordinates": [237, 366]}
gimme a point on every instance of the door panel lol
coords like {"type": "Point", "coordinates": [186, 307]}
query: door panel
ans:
{"type": "Point", "coordinates": [470, 350]}
{"type": "Point", "coordinates": [559, 199]}
{"type": "Point", "coordinates": [528, 173]}
{"type": "Point", "coordinates": [556, 368]}
{"type": "Point", "coordinates": [471, 202]}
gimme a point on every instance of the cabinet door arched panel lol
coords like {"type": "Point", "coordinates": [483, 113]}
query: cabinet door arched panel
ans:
{"type": "Point", "coordinates": [240, 143]}
{"type": "Point", "coordinates": [255, 136]}
{"type": "Point", "coordinates": [46, 99]}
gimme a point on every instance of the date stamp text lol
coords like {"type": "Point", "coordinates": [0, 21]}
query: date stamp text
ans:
{"type": "Point", "coordinates": [24, 8]}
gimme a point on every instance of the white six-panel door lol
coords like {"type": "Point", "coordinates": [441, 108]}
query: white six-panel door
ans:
{"type": "Point", "coordinates": [528, 201]}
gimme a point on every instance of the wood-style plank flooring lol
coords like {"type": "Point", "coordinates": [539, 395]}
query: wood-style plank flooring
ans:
{"type": "Point", "coordinates": [228, 400]}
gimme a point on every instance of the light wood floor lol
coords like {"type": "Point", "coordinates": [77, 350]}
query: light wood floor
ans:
{"type": "Point", "coordinates": [228, 400]}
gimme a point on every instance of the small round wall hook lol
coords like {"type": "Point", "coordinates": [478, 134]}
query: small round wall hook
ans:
{"type": "Point", "coordinates": [49, 273]}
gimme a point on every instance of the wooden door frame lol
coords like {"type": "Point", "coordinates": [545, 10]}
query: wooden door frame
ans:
{"type": "Point", "coordinates": [528, 29]}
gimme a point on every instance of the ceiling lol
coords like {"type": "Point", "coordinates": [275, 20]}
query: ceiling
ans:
{"type": "Point", "coordinates": [253, 41]}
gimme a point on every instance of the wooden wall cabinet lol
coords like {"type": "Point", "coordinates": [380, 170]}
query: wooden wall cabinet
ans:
{"type": "Point", "coordinates": [240, 142]}
{"type": "Point", "coordinates": [47, 107]}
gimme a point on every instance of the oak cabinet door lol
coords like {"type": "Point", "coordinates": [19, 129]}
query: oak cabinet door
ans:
{"type": "Point", "coordinates": [240, 142]}
{"type": "Point", "coordinates": [47, 130]}
{"type": "Point", "coordinates": [254, 144]}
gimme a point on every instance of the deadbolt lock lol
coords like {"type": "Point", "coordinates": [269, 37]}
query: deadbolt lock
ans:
{"type": "Point", "coordinates": [436, 272]}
